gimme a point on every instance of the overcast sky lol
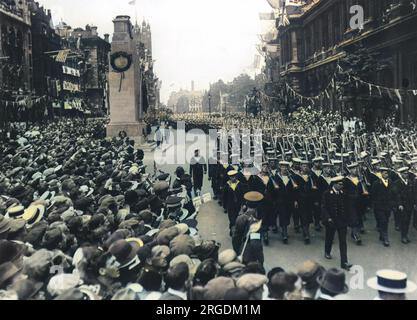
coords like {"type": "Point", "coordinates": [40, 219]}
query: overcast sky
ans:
{"type": "Point", "coordinates": [200, 40]}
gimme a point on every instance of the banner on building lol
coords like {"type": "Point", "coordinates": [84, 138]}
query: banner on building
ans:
{"type": "Point", "coordinates": [69, 86]}
{"type": "Point", "coordinates": [62, 56]}
{"type": "Point", "coordinates": [70, 71]}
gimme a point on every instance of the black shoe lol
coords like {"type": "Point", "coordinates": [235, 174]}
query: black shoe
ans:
{"type": "Point", "coordinates": [405, 240]}
{"type": "Point", "coordinates": [346, 266]}
{"type": "Point", "coordinates": [284, 235]}
{"type": "Point", "coordinates": [386, 243]}
{"type": "Point", "coordinates": [357, 239]}
{"type": "Point", "coordinates": [275, 230]}
{"type": "Point", "coordinates": [362, 231]}
{"type": "Point", "coordinates": [297, 229]}
{"type": "Point", "coordinates": [307, 241]}
{"type": "Point", "coordinates": [328, 256]}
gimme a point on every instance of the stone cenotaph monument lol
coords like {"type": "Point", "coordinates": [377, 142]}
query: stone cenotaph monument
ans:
{"type": "Point", "coordinates": [126, 112]}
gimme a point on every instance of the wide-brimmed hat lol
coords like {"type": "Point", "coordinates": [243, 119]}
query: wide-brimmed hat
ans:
{"type": "Point", "coordinates": [232, 173]}
{"type": "Point", "coordinates": [26, 288]}
{"type": "Point", "coordinates": [15, 211]}
{"type": "Point", "coordinates": [7, 271]}
{"type": "Point", "coordinates": [10, 251]}
{"type": "Point", "coordinates": [391, 281]}
{"type": "Point", "coordinates": [337, 179]}
{"type": "Point", "coordinates": [34, 214]}
{"type": "Point", "coordinates": [333, 280]}
{"type": "Point", "coordinates": [253, 196]}
{"type": "Point", "coordinates": [4, 226]}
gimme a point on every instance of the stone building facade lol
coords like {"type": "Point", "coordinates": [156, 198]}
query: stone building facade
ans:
{"type": "Point", "coordinates": [90, 59]}
{"type": "Point", "coordinates": [15, 48]}
{"type": "Point", "coordinates": [319, 33]}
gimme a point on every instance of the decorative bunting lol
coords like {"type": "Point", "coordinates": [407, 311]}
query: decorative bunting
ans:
{"type": "Point", "coordinates": [397, 92]}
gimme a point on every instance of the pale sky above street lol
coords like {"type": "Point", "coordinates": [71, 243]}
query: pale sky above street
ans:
{"type": "Point", "coordinates": [200, 40]}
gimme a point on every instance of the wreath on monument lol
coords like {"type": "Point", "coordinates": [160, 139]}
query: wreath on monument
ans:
{"type": "Point", "coordinates": [121, 61]}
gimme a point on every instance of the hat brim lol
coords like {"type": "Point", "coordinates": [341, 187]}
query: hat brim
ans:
{"type": "Point", "coordinates": [321, 283]}
{"type": "Point", "coordinates": [373, 284]}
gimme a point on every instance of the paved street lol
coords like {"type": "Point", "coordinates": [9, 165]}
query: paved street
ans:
{"type": "Point", "coordinates": [371, 256]}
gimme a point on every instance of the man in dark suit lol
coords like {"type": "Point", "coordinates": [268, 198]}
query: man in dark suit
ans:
{"type": "Point", "coordinates": [213, 168]}
{"type": "Point", "coordinates": [198, 168]}
{"type": "Point", "coordinates": [233, 198]}
{"type": "Point", "coordinates": [335, 218]}
{"type": "Point", "coordinates": [176, 282]}
{"type": "Point", "coordinates": [383, 198]}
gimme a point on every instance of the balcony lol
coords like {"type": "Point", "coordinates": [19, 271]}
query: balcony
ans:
{"type": "Point", "coordinates": [12, 11]}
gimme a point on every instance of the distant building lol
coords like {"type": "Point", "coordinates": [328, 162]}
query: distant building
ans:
{"type": "Point", "coordinates": [15, 48]}
{"type": "Point", "coordinates": [47, 72]}
{"type": "Point", "coordinates": [85, 71]}
{"type": "Point", "coordinates": [314, 36]}
{"type": "Point", "coordinates": [185, 101]}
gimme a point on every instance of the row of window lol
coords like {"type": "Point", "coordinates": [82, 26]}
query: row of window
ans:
{"type": "Point", "coordinates": [329, 28]}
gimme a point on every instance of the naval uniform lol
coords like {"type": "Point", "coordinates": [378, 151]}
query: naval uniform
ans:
{"type": "Point", "coordinates": [264, 185]}
{"type": "Point", "coordinates": [303, 197]}
{"type": "Point", "coordinates": [253, 250]}
{"type": "Point", "coordinates": [333, 206]}
{"type": "Point", "coordinates": [316, 195]}
{"type": "Point", "coordinates": [285, 200]}
{"type": "Point", "coordinates": [354, 189]}
{"type": "Point", "coordinates": [233, 199]}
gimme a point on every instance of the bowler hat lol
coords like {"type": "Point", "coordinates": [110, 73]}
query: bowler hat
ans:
{"type": "Point", "coordinates": [333, 280]}
{"type": "Point", "coordinates": [10, 251]}
{"type": "Point", "coordinates": [123, 250]}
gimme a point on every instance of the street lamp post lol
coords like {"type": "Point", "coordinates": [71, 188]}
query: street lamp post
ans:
{"type": "Point", "coordinates": [209, 97]}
